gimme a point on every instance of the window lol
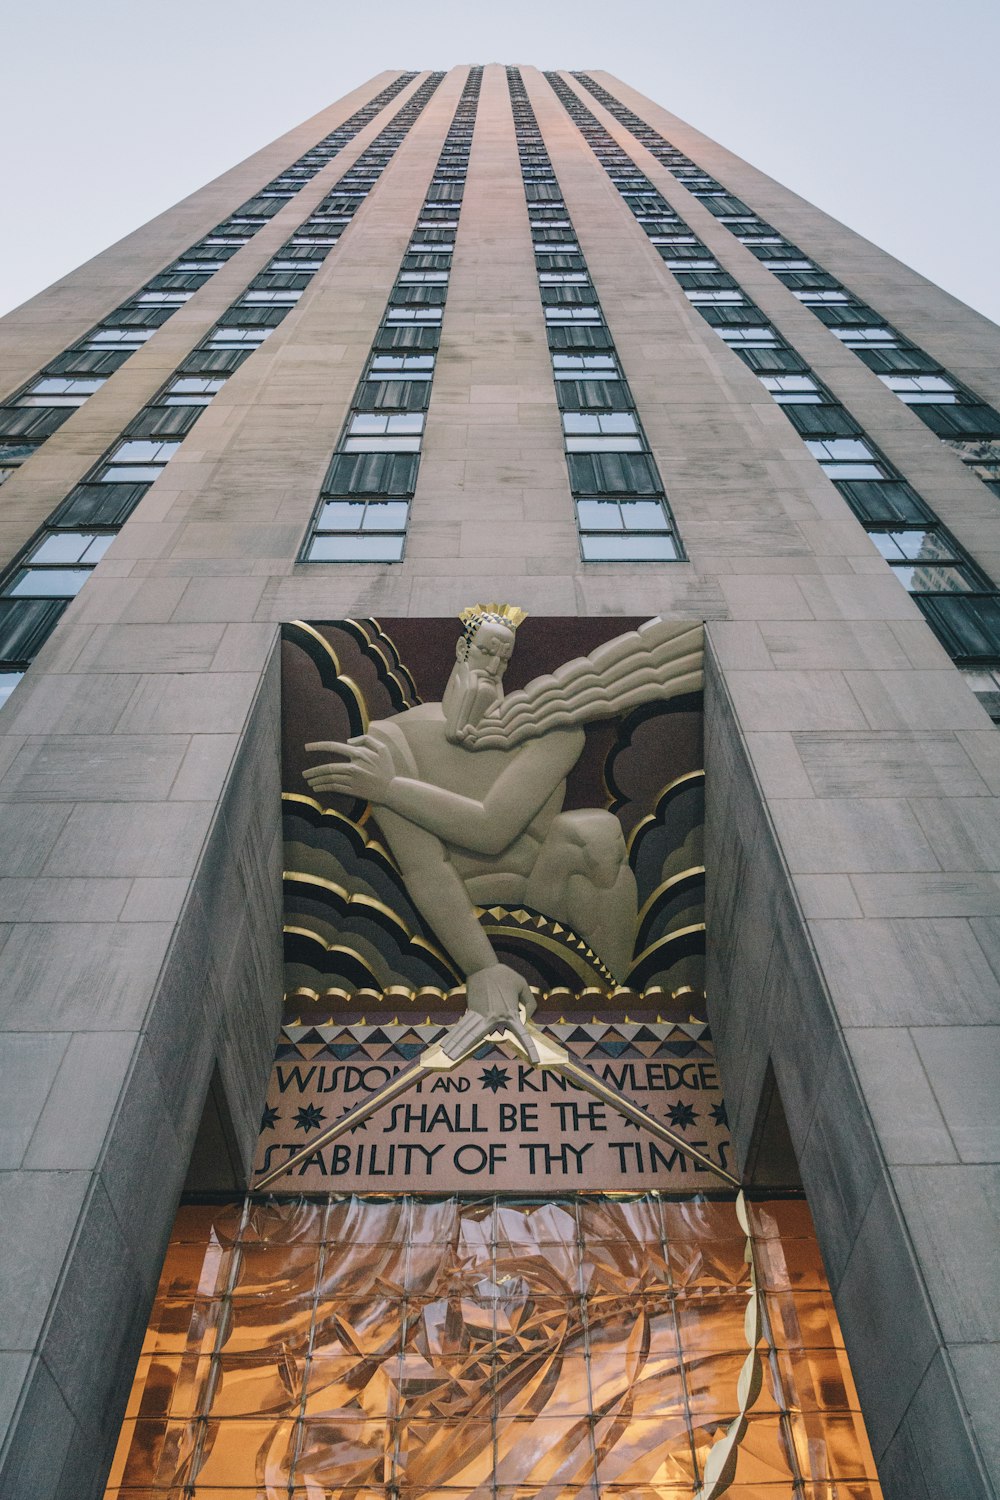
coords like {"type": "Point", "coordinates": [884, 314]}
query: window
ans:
{"type": "Point", "coordinates": [753, 338]}
{"type": "Point", "coordinates": [403, 366]}
{"type": "Point", "coordinates": [592, 433]}
{"type": "Point", "coordinates": [48, 572]}
{"type": "Point", "coordinates": [790, 390]}
{"type": "Point", "coordinates": [618, 474]}
{"type": "Point", "coordinates": [371, 432]}
{"type": "Point", "coordinates": [623, 515]}
{"type": "Point", "coordinates": [845, 458]}
{"type": "Point", "coordinates": [46, 583]}
{"type": "Point", "coordinates": [628, 546]}
{"type": "Point", "coordinates": [12, 455]}
{"type": "Point", "coordinates": [52, 391]}
{"type": "Point", "coordinates": [924, 561]}
{"type": "Point", "coordinates": [914, 389]}
{"type": "Point", "coordinates": [127, 337]}
{"type": "Point", "coordinates": [840, 448]}
{"type": "Point", "coordinates": [296, 266]}
{"type": "Point", "coordinates": [812, 295]}
{"type": "Point", "coordinates": [136, 460]}
{"type": "Point", "coordinates": [673, 264]}
{"type": "Point", "coordinates": [237, 338]}
{"type": "Point", "coordinates": [203, 267]}
{"type": "Point", "coordinates": [425, 315]}
{"type": "Point", "coordinates": [725, 295]}
{"type": "Point", "coordinates": [557, 315]}
{"type": "Point", "coordinates": [851, 336]}
{"type": "Point", "coordinates": [283, 297]}
{"type": "Point", "coordinates": [585, 366]}
{"type": "Point", "coordinates": [192, 390]}
{"type": "Point", "coordinates": [70, 547]}
{"type": "Point", "coordinates": [167, 299]}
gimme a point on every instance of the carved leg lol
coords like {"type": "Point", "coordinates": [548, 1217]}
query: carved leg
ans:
{"type": "Point", "coordinates": [582, 877]}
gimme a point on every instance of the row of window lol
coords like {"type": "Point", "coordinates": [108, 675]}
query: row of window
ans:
{"type": "Point", "coordinates": [365, 496]}
{"type": "Point", "coordinates": [956, 414]}
{"type": "Point", "coordinates": [621, 508]}
{"type": "Point", "coordinates": [959, 600]}
{"type": "Point", "coordinates": [33, 413]}
{"type": "Point", "coordinates": [55, 565]}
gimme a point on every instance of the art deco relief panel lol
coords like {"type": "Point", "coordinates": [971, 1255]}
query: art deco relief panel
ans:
{"type": "Point", "coordinates": [611, 783]}
{"type": "Point", "coordinates": [502, 1253]}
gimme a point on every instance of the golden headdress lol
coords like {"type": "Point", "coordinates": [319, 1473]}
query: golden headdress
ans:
{"type": "Point", "coordinates": [499, 614]}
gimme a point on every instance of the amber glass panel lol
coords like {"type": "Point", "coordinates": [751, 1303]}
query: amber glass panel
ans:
{"type": "Point", "coordinates": [486, 1349]}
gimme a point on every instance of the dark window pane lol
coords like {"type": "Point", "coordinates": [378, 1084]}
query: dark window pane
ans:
{"type": "Point", "coordinates": [163, 421]}
{"type": "Point", "coordinates": [407, 338]}
{"type": "Point", "coordinates": [88, 362]}
{"type": "Point", "coordinates": [32, 421]}
{"type": "Point", "coordinates": [25, 626]}
{"type": "Point", "coordinates": [590, 395]}
{"type": "Point", "coordinates": [960, 421]}
{"type": "Point", "coordinates": [821, 421]}
{"type": "Point", "coordinates": [877, 502]}
{"type": "Point", "coordinates": [394, 395]}
{"type": "Point", "coordinates": [613, 474]}
{"type": "Point", "coordinates": [209, 361]}
{"type": "Point", "coordinates": [579, 338]}
{"type": "Point", "coordinates": [968, 624]}
{"type": "Point", "coordinates": [99, 504]}
{"type": "Point", "coordinates": [372, 474]}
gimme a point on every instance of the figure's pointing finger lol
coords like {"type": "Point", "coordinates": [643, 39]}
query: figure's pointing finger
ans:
{"type": "Point", "coordinates": [525, 1038]}
{"type": "Point", "coordinates": [334, 746]}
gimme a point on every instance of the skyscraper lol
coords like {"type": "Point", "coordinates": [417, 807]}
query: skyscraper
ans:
{"type": "Point", "coordinates": [494, 343]}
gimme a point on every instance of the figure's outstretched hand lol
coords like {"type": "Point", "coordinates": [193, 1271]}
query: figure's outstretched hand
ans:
{"type": "Point", "coordinates": [465, 1036]}
{"type": "Point", "coordinates": [365, 771]}
{"type": "Point", "coordinates": [499, 999]}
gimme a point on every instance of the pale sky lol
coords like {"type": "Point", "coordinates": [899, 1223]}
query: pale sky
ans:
{"type": "Point", "coordinates": [886, 113]}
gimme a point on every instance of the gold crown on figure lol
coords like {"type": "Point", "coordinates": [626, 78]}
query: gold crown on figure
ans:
{"type": "Point", "coordinates": [500, 614]}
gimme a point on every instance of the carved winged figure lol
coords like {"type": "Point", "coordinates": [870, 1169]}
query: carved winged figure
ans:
{"type": "Point", "coordinates": [469, 796]}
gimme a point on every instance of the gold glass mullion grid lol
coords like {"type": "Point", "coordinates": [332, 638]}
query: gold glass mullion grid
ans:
{"type": "Point", "coordinates": [585, 1347]}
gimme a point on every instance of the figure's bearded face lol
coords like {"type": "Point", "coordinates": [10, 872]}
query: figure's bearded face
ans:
{"type": "Point", "coordinates": [476, 680]}
{"type": "Point", "coordinates": [490, 650]}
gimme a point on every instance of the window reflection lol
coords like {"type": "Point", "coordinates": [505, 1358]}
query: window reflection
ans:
{"type": "Point", "coordinates": [590, 1346]}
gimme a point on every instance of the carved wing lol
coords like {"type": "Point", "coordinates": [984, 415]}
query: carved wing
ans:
{"type": "Point", "coordinates": [662, 659]}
